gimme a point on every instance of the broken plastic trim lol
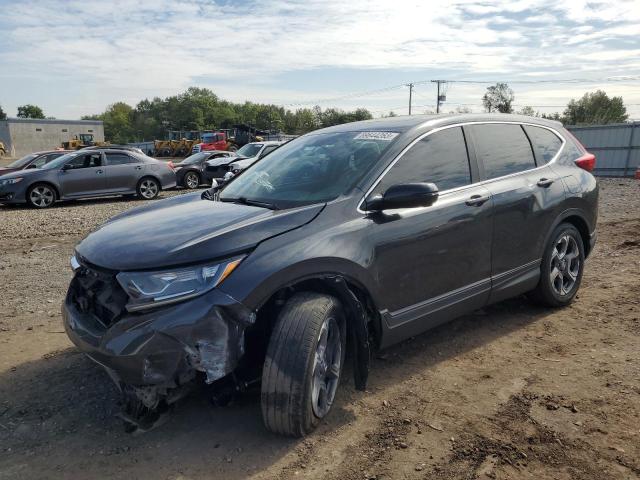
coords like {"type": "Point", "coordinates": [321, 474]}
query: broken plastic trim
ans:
{"type": "Point", "coordinates": [358, 328]}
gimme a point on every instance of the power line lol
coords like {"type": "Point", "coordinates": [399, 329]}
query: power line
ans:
{"type": "Point", "coordinates": [364, 93]}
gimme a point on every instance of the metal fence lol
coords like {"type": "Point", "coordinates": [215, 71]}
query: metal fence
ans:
{"type": "Point", "coordinates": [616, 147]}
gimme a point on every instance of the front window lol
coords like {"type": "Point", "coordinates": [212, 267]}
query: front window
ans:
{"type": "Point", "coordinates": [22, 162]}
{"type": "Point", "coordinates": [249, 150]}
{"type": "Point", "coordinates": [311, 169]}
{"type": "Point", "coordinates": [60, 161]}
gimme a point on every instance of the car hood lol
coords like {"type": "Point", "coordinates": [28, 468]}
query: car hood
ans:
{"type": "Point", "coordinates": [214, 162]}
{"type": "Point", "coordinates": [244, 162]}
{"type": "Point", "coordinates": [19, 173]}
{"type": "Point", "coordinates": [186, 229]}
{"type": "Point", "coordinates": [5, 170]}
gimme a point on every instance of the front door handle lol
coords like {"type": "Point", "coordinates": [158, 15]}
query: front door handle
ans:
{"type": "Point", "coordinates": [138, 167]}
{"type": "Point", "coordinates": [99, 172]}
{"type": "Point", "coordinates": [544, 182]}
{"type": "Point", "coordinates": [476, 200]}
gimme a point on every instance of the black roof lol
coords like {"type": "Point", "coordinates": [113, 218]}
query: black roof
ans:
{"type": "Point", "coordinates": [405, 123]}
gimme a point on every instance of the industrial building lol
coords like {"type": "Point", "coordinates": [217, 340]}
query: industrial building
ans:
{"type": "Point", "coordinates": [25, 135]}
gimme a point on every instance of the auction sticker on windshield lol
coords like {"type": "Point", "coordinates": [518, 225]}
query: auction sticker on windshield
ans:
{"type": "Point", "coordinates": [384, 136]}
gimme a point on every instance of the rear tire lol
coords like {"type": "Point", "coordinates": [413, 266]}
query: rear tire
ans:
{"type": "Point", "coordinates": [303, 364]}
{"type": "Point", "coordinates": [561, 269]}
{"type": "Point", "coordinates": [148, 188]}
{"type": "Point", "coordinates": [41, 195]}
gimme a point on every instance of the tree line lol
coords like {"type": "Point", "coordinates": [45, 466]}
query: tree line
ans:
{"type": "Point", "coordinates": [201, 109]}
{"type": "Point", "coordinates": [593, 108]}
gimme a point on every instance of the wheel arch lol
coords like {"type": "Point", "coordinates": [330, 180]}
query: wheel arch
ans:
{"type": "Point", "coordinates": [55, 188]}
{"type": "Point", "coordinates": [578, 219]}
{"type": "Point", "coordinates": [363, 319]}
{"type": "Point", "coordinates": [153, 177]}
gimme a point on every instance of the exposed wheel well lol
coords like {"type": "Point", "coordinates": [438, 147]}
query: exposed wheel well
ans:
{"type": "Point", "coordinates": [258, 335]}
{"type": "Point", "coordinates": [583, 228]}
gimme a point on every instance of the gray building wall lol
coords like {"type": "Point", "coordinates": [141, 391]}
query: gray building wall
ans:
{"type": "Point", "coordinates": [616, 147]}
{"type": "Point", "coordinates": [24, 135]}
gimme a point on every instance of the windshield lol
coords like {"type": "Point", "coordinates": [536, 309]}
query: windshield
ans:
{"type": "Point", "coordinates": [21, 162]}
{"type": "Point", "coordinates": [194, 158]}
{"type": "Point", "coordinates": [249, 150]}
{"type": "Point", "coordinates": [311, 169]}
{"type": "Point", "coordinates": [60, 161]}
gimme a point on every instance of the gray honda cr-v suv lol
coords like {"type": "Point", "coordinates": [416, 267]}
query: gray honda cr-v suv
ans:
{"type": "Point", "coordinates": [349, 238]}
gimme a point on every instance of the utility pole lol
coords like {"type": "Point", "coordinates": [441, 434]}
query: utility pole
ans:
{"type": "Point", "coordinates": [439, 98]}
{"type": "Point", "coordinates": [410, 93]}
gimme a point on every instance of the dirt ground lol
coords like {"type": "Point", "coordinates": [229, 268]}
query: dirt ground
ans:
{"type": "Point", "coordinates": [512, 391]}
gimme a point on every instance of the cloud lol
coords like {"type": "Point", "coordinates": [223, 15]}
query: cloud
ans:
{"type": "Point", "coordinates": [107, 51]}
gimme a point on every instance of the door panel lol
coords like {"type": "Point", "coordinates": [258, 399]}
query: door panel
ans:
{"type": "Point", "coordinates": [424, 255]}
{"type": "Point", "coordinates": [88, 177]}
{"type": "Point", "coordinates": [123, 172]}
{"type": "Point", "coordinates": [526, 199]}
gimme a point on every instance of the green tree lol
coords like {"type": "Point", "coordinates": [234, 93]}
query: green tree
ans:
{"type": "Point", "coordinates": [595, 108]}
{"type": "Point", "coordinates": [30, 111]}
{"type": "Point", "coordinates": [117, 120]}
{"type": "Point", "coordinates": [498, 98]}
{"type": "Point", "coordinates": [528, 111]}
{"type": "Point", "coordinates": [3, 116]}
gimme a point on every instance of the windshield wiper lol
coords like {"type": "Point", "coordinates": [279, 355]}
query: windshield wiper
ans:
{"type": "Point", "coordinates": [253, 203]}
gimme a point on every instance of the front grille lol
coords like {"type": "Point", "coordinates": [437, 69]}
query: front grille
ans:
{"type": "Point", "coordinates": [99, 294]}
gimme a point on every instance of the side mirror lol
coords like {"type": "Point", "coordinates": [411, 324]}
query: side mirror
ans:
{"type": "Point", "coordinates": [407, 195]}
{"type": "Point", "coordinates": [33, 165]}
{"type": "Point", "coordinates": [210, 193]}
{"type": "Point", "coordinates": [66, 166]}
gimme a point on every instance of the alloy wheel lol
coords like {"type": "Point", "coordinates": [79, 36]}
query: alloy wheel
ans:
{"type": "Point", "coordinates": [565, 265]}
{"type": "Point", "coordinates": [41, 196]}
{"type": "Point", "coordinates": [327, 365]}
{"type": "Point", "coordinates": [148, 188]}
{"type": "Point", "coordinates": [192, 180]}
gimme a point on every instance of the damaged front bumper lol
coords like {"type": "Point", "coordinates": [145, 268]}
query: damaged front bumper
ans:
{"type": "Point", "coordinates": [154, 353]}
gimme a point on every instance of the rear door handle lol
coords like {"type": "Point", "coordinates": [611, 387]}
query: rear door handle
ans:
{"type": "Point", "coordinates": [138, 167]}
{"type": "Point", "coordinates": [544, 182]}
{"type": "Point", "coordinates": [99, 172]}
{"type": "Point", "coordinates": [477, 200]}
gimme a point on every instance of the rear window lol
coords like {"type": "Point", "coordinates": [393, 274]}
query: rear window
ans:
{"type": "Point", "coordinates": [546, 144]}
{"type": "Point", "coordinates": [503, 149]}
{"type": "Point", "coordinates": [118, 158]}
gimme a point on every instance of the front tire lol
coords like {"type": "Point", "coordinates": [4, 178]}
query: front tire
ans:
{"type": "Point", "coordinates": [303, 364]}
{"type": "Point", "coordinates": [41, 195]}
{"type": "Point", "coordinates": [561, 269]}
{"type": "Point", "coordinates": [148, 188]}
{"type": "Point", "coordinates": [191, 180]}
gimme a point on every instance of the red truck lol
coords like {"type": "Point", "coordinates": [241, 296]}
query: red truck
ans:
{"type": "Point", "coordinates": [214, 141]}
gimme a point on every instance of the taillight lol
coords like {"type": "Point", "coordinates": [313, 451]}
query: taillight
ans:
{"type": "Point", "coordinates": [171, 165]}
{"type": "Point", "coordinates": [587, 162]}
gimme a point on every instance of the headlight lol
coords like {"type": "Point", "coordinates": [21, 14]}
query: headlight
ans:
{"type": "Point", "coordinates": [152, 289]}
{"type": "Point", "coordinates": [10, 181]}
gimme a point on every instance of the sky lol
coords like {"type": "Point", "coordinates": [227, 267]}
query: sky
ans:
{"type": "Point", "coordinates": [74, 58]}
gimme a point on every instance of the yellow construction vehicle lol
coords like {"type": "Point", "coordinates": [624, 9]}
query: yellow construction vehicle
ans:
{"type": "Point", "coordinates": [81, 141]}
{"type": "Point", "coordinates": [3, 150]}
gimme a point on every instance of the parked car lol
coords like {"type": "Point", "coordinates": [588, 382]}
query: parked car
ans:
{"type": "Point", "coordinates": [224, 169]}
{"type": "Point", "coordinates": [88, 173]}
{"type": "Point", "coordinates": [33, 160]}
{"type": "Point", "coordinates": [190, 172]}
{"type": "Point", "coordinates": [370, 232]}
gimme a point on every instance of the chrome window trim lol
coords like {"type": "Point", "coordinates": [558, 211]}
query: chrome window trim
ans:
{"type": "Point", "coordinates": [483, 182]}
